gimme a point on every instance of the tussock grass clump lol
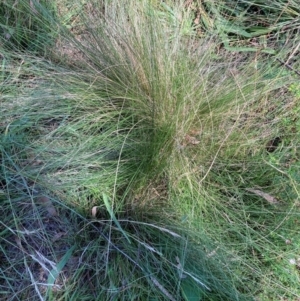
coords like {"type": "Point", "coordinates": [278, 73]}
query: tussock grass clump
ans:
{"type": "Point", "coordinates": [128, 170]}
{"type": "Point", "coordinates": [27, 25]}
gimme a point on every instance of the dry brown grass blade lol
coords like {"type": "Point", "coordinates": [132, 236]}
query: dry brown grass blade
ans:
{"type": "Point", "coordinates": [162, 288]}
{"type": "Point", "coordinates": [269, 198]}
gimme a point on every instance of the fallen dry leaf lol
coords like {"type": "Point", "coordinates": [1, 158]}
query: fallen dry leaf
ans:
{"type": "Point", "coordinates": [191, 140]}
{"type": "Point", "coordinates": [94, 211]}
{"type": "Point", "coordinates": [58, 235]}
{"type": "Point", "coordinates": [269, 198]}
{"type": "Point", "coordinates": [47, 203]}
{"type": "Point", "coordinates": [197, 19]}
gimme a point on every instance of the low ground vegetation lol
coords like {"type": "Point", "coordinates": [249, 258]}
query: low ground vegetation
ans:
{"type": "Point", "coordinates": [149, 150]}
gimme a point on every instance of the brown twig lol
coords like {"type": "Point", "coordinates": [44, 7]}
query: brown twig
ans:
{"type": "Point", "coordinates": [288, 66]}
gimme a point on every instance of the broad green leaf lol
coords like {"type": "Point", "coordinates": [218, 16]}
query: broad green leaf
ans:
{"type": "Point", "coordinates": [250, 49]}
{"type": "Point", "coordinates": [258, 30]}
{"type": "Point", "coordinates": [190, 291]}
{"type": "Point", "coordinates": [227, 27]}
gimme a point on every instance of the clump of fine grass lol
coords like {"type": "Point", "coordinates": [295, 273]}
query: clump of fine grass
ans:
{"type": "Point", "coordinates": [86, 145]}
{"type": "Point", "coordinates": [27, 25]}
{"type": "Point", "coordinates": [79, 136]}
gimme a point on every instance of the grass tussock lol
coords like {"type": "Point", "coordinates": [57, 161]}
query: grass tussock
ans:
{"type": "Point", "coordinates": [141, 163]}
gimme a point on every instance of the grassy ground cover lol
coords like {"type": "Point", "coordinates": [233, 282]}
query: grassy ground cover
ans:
{"type": "Point", "coordinates": [149, 150]}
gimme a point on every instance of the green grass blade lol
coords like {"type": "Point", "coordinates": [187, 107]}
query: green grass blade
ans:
{"type": "Point", "coordinates": [113, 217]}
{"type": "Point", "coordinates": [54, 273]}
